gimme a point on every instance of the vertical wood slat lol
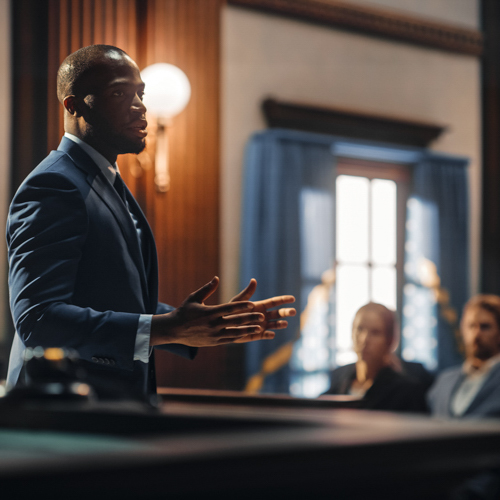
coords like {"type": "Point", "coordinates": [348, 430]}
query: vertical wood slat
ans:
{"type": "Point", "coordinates": [87, 24]}
{"type": "Point", "coordinates": [109, 32]}
{"type": "Point", "coordinates": [54, 115]}
{"type": "Point", "coordinates": [75, 25]}
{"type": "Point", "coordinates": [185, 220]}
{"type": "Point", "coordinates": [29, 87]}
{"type": "Point", "coordinates": [121, 28]}
{"type": "Point", "coordinates": [64, 50]}
{"type": "Point", "coordinates": [98, 22]}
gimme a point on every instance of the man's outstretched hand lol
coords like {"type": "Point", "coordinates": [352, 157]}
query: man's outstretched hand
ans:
{"type": "Point", "coordinates": [273, 318]}
{"type": "Point", "coordinates": [195, 324]}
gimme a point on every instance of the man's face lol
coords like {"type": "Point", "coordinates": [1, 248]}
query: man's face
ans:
{"type": "Point", "coordinates": [114, 113]}
{"type": "Point", "coordinates": [481, 334]}
{"type": "Point", "coordinates": [369, 336]}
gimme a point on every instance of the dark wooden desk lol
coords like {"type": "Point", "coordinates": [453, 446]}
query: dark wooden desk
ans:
{"type": "Point", "coordinates": [235, 398]}
{"type": "Point", "coordinates": [189, 450]}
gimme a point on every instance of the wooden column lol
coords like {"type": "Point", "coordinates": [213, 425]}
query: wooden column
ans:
{"type": "Point", "coordinates": [29, 87]}
{"type": "Point", "coordinates": [490, 251]}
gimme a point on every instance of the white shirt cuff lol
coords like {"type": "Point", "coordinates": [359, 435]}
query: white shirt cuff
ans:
{"type": "Point", "coordinates": [141, 351]}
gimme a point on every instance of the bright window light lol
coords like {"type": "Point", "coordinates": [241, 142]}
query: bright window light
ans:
{"type": "Point", "coordinates": [352, 293]}
{"type": "Point", "coordinates": [366, 243]}
{"type": "Point", "coordinates": [383, 228]}
{"type": "Point", "coordinates": [352, 218]}
{"type": "Point", "coordinates": [384, 286]}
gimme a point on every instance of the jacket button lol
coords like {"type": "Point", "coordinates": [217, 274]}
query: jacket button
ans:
{"type": "Point", "coordinates": [94, 359]}
{"type": "Point", "coordinates": [106, 361]}
{"type": "Point", "coordinates": [112, 362]}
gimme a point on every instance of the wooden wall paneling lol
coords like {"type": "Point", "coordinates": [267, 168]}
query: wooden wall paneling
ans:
{"type": "Point", "coordinates": [122, 28]}
{"type": "Point", "coordinates": [109, 32]}
{"type": "Point", "coordinates": [87, 24]}
{"type": "Point", "coordinates": [75, 21]}
{"type": "Point", "coordinates": [97, 20]}
{"type": "Point", "coordinates": [29, 87]}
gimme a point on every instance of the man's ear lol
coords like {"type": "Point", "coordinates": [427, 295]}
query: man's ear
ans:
{"type": "Point", "coordinates": [72, 105]}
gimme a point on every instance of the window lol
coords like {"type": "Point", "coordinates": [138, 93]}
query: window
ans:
{"type": "Point", "coordinates": [368, 231]}
{"type": "Point", "coordinates": [370, 215]}
{"type": "Point", "coordinates": [289, 224]}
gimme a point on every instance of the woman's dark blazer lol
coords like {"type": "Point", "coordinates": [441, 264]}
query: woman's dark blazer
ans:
{"type": "Point", "coordinates": [391, 391]}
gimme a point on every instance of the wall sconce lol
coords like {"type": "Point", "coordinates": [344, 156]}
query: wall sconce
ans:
{"type": "Point", "coordinates": [167, 94]}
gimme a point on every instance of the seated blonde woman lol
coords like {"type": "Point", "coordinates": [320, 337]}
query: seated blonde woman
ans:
{"type": "Point", "coordinates": [377, 377]}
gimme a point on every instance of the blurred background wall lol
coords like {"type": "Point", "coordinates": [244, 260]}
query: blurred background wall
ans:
{"type": "Point", "coordinates": [266, 55]}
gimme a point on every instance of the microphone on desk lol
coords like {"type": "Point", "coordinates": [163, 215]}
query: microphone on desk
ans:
{"type": "Point", "coordinates": [52, 374]}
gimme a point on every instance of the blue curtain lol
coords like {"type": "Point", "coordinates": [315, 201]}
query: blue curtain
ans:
{"type": "Point", "coordinates": [436, 261]}
{"type": "Point", "coordinates": [278, 165]}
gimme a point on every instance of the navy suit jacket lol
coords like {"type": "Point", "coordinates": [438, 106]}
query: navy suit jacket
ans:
{"type": "Point", "coordinates": [78, 276]}
{"type": "Point", "coordinates": [485, 404]}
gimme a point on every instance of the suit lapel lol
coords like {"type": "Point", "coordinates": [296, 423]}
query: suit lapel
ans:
{"type": "Point", "coordinates": [112, 200]}
{"type": "Point", "coordinates": [489, 385]}
{"type": "Point", "coordinates": [148, 251]}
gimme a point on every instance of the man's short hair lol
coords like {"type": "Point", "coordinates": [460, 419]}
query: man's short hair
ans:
{"type": "Point", "coordinates": [388, 316]}
{"type": "Point", "coordinates": [490, 303]}
{"type": "Point", "coordinates": [77, 65]}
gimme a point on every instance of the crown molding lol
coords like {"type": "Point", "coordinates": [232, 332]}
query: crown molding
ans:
{"type": "Point", "coordinates": [375, 21]}
{"type": "Point", "coordinates": [348, 123]}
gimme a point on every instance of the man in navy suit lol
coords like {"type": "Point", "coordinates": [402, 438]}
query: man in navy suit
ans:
{"type": "Point", "coordinates": [473, 389]}
{"type": "Point", "coordinates": [83, 270]}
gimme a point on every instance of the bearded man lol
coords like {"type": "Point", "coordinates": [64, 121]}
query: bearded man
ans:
{"type": "Point", "coordinates": [473, 389]}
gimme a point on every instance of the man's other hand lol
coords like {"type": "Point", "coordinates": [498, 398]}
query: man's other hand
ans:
{"type": "Point", "coordinates": [273, 318]}
{"type": "Point", "coordinates": [198, 325]}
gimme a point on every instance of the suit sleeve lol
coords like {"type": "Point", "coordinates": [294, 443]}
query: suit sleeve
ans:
{"type": "Point", "coordinates": [46, 232]}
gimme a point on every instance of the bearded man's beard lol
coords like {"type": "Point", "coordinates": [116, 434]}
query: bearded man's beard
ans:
{"type": "Point", "coordinates": [103, 133]}
{"type": "Point", "coordinates": [126, 145]}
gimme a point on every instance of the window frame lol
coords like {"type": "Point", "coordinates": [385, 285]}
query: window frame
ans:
{"type": "Point", "coordinates": [401, 174]}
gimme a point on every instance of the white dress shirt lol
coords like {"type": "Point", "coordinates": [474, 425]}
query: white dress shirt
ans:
{"type": "Point", "coordinates": [141, 350]}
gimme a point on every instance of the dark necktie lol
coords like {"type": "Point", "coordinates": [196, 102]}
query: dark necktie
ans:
{"type": "Point", "coordinates": [121, 189]}
{"type": "Point", "coordinates": [119, 185]}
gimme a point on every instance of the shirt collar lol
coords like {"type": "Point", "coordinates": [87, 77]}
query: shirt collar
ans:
{"type": "Point", "coordinates": [106, 168]}
{"type": "Point", "coordinates": [468, 369]}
